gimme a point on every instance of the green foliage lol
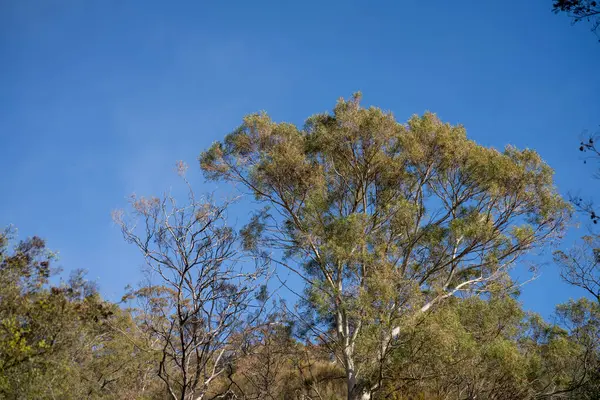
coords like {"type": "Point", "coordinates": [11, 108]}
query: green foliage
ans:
{"type": "Point", "coordinates": [384, 219]}
{"type": "Point", "coordinates": [404, 233]}
{"type": "Point", "coordinates": [60, 341]}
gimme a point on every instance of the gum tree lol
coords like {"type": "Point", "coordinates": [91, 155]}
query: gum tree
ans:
{"type": "Point", "coordinates": [202, 303]}
{"type": "Point", "coordinates": [384, 220]}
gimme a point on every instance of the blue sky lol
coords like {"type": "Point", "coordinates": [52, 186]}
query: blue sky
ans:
{"type": "Point", "coordinates": [98, 99]}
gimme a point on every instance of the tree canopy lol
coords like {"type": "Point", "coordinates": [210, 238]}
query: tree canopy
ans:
{"type": "Point", "coordinates": [404, 235]}
{"type": "Point", "coordinates": [384, 220]}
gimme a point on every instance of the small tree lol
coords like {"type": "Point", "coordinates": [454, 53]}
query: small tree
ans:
{"type": "Point", "coordinates": [203, 303]}
{"type": "Point", "coordinates": [384, 220]}
{"type": "Point", "coordinates": [581, 265]}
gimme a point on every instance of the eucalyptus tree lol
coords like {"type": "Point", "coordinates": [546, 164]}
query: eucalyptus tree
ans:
{"type": "Point", "coordinates": [580, 267]}
{"type": "Point", "coordinates": [198, 311]}
{"type": "Point", "coordinates": [384, 220]}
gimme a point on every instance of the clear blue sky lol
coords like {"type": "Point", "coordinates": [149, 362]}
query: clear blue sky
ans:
{"type": "Point", "coordinates": [98, 99]}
